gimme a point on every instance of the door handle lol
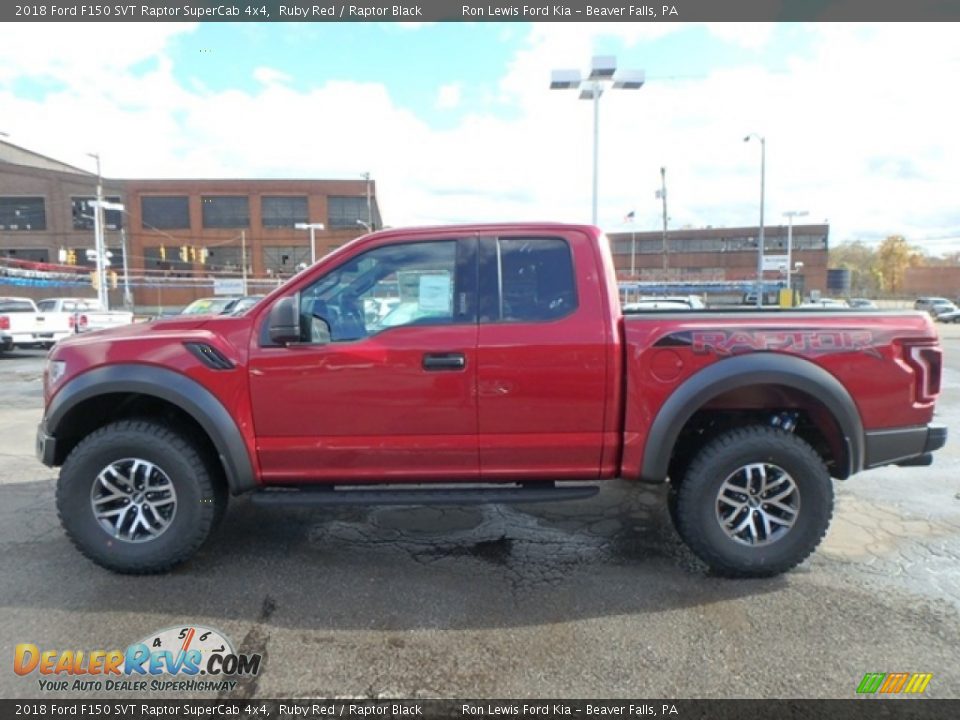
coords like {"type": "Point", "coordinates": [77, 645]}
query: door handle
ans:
{"type": "Point", "coordinates": [444, 361]}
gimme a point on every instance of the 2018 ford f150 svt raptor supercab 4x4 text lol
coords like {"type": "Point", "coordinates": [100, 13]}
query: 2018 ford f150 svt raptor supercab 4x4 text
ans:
{"type": "Point", "coordinates": [481, 363]}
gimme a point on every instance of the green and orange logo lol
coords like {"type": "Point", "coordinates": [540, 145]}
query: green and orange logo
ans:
{"type": "Point", "coordinates": [894, 683]}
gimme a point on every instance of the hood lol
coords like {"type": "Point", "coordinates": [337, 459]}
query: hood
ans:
{"type": "Point", "coordinates": [173, 325]}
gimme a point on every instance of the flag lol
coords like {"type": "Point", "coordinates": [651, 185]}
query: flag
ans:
{"type": "Point", "coordinates": [629, 216]}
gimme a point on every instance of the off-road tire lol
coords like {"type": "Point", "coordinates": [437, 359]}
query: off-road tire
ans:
{"type": "Point", "coordinates": [200, 496]}
{"type": "Point", "coordinates": [696, 501]}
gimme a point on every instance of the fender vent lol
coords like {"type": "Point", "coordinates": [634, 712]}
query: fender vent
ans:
{"type": "Point", "coordinates": [209, 356]}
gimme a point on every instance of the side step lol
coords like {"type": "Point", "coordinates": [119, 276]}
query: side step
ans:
{"type": "Point", "coordinates": [529, 493]}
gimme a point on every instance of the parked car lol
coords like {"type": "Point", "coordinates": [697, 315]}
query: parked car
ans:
{"type": "Point", "coordinates": [862, 304]}
{"type": "Point", "coordinates": [825, 304]}
{"type": "Point", "coordinates": [645, 304]}
{"type": "Point", "coordinates": [83, 314]}
{"type": "Point", "coordinates": [949, 317]}
{"type": "Point", "coordinates": [244, 304]}
{"type": "Point", "coordinates": [926, 303]}
{"type": "Point", "coordinates": [942, 308]}
{"type": "Point", "coordinates": [23, 325]}
{"type": "Point", "coordinates": [219, 305]}
{"type": "Point", "coordinates": [526, 379]}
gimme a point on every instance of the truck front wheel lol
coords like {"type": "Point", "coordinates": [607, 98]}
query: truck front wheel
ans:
{"type": "Point", "coordinates": [137, 497]}
{"type": "Point", "coordinates": [754, 502]}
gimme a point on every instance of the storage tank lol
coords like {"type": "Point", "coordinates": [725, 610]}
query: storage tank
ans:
{"type": "Point", "coordinates": [838, 281]}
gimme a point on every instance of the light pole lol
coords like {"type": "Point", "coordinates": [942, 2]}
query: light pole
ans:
{"type": "Point", "coordinates": [603, 73]}
{"type": "Point", "coordinates": [369, 223]}
{"type": "Point", "coordinates": [365, 226]}
{"type": "Point", "coordinates": [763, 181]}
{"type": "Point", "coordinates": [98, 238]}
{"type": "Point", "coordinates": [790, 215]}
{"type": "Point", "coordinates": [312, 227]}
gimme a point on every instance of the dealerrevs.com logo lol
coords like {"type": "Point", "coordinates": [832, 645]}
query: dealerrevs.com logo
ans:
{"type": "Point", "coordinates": [185, 658]}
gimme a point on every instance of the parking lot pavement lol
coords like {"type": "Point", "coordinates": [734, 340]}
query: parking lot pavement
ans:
{"type": "Point", "coordinates": [580, 599]}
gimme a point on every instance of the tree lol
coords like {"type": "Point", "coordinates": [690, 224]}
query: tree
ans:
{"type": "Point", "coordinates": [861, 260]}
{"type": "Point", "coordinates": [894, 256]}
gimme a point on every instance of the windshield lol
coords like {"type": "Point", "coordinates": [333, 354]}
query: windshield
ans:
{"type": "Point", "coordinates": [14, 306]}
{"type": "Point", "coordinates": [209, 306]}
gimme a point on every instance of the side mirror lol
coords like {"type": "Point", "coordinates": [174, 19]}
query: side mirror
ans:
{"type": "Point", "coordinates": [284, 321]}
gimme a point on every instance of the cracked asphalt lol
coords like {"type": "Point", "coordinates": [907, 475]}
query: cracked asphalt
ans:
{"type": "Point", "coordinates": [593, 598]}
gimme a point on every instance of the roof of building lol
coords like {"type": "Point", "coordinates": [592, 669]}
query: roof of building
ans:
{"type": "Point", "coordinates": [16, 155]}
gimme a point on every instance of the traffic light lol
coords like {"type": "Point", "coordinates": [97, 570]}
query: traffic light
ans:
{"type": "Point", "coordinates": [95, 279]}
{"type": "Point", "coordinates": [71, 257]}
{"type": "Point", "coordinates": [113, 279]}
{"type": "Point", "coordinates": [184, 253]}
{"type": "Point", "coordinates": [204, 254]}
{"type": "Point", "coordinates": [163, 253]}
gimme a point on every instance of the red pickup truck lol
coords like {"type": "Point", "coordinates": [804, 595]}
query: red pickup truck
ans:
{"type": "Point", "coordinates": [481, 363]}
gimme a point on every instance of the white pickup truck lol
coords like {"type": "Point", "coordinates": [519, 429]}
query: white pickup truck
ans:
{"type": "Point", "coordinates": [83, 314]}
{"type": "Point", "coordinates": [22, 325]}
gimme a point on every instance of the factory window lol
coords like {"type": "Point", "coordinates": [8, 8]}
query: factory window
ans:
{"type": "Point", "coordinates": [284, 212]}
{"type": "Point", "coordinates": [83, 214]}
{"type": "Point", "coordinates": [226, 211]}
{"type": "Point", "coordinates": [22, 213]}
{"type": "Point", "coordinates": [284, 259]}
{"type": "Point", "coordinates": [344, 212]}
{"type": "Point", "coordinates": [165, 212]}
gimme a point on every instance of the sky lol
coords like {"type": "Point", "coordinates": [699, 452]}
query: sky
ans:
{"type": "Point", "coordinates": [456, 121]}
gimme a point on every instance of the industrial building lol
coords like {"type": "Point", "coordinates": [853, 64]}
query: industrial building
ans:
{"type": "Point", "coordinates": [722, 260]}
{"type": "Point", "coordinates": [177, 236]}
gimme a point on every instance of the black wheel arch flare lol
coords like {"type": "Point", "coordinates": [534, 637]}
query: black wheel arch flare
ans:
{"type": "Point", "coordinates": [741, 371]}
{"type": "Point", "coordinates": [173, 387]}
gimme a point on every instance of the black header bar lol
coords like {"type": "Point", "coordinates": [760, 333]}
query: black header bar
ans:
{"type": "Point", "coordinates": [531, 709]}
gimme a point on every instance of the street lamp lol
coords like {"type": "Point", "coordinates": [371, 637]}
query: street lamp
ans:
{"type": "Point", "coordinates": [790, 215]}
{"type": "Point", "coordinates": [312, 227]}
{"type": "Point", "coordinates": [603, 73]}
{"type": "Point", "coordinates": [364, 225]}
{"type": "Point", "coordinates": [369, 223]}
{"type": "Point", "coordinates": [98, 238]}
{"type": "Point", "coordinates": [763, 180]}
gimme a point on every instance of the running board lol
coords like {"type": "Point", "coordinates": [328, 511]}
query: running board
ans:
{"type": "Point", "coordinates": [533, 493]}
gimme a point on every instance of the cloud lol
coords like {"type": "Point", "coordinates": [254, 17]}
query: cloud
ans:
{"type": "Point", "coordinates": [858, 123]}
{"type": "Point", "coordinates": [448, 96]}
{"type": "Point", "coordinates": [269, 76]}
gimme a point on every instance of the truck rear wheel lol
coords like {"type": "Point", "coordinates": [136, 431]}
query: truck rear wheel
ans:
{"type": "Point", "coordinates": [136, 497]}
{"type": "Point", "coordinates": [754, 502]}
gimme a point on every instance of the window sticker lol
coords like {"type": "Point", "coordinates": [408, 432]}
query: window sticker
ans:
{"type": "Point", "coordinates": [435, 295]}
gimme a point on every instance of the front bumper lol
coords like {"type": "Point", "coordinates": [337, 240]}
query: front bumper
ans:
{"type": "Point", "coordinates": [904, 446]}
{"type": "Point", "coordinates": [46, 446]}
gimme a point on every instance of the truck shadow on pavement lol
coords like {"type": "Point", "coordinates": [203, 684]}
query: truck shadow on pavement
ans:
{"type": "Point", "coordinates": [396, 568]}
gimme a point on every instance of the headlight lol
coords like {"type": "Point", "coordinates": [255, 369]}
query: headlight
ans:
{"type": "Point", "coordinates": [55, 371]}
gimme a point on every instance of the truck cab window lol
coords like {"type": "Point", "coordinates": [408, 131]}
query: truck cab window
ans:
{"type": "Point", "coordinates": [391, 286]}
{"type": "Point", "coordinates": [528, 280]}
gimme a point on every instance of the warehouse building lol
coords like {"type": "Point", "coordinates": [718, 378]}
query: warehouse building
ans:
{"type": "Point", "coordinates": [178, 236]}
{"type": "Point", "coordinates": [706, 259]}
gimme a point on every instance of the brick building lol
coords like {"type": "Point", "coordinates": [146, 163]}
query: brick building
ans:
{"type": "Point", "coordinates": [179, 235]}
{"type": "Point", "coordinates": [198, 229]}
{"type": "Point", "coordinates": [711, 255]}
{"type": "Point", "coordinates": [43, 207]}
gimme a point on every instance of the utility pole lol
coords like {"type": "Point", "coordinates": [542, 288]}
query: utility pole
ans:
{"type": "Point", "coordinates": [127, 296]}
{"type": "Point", "coordinates": [366, 176]}
{"type": "Point", "coordinates": [663, 197]}
{"type": "Point", "coordinates": [243, 259]}
{"type": "Point", "coordinates": [98, 248]}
